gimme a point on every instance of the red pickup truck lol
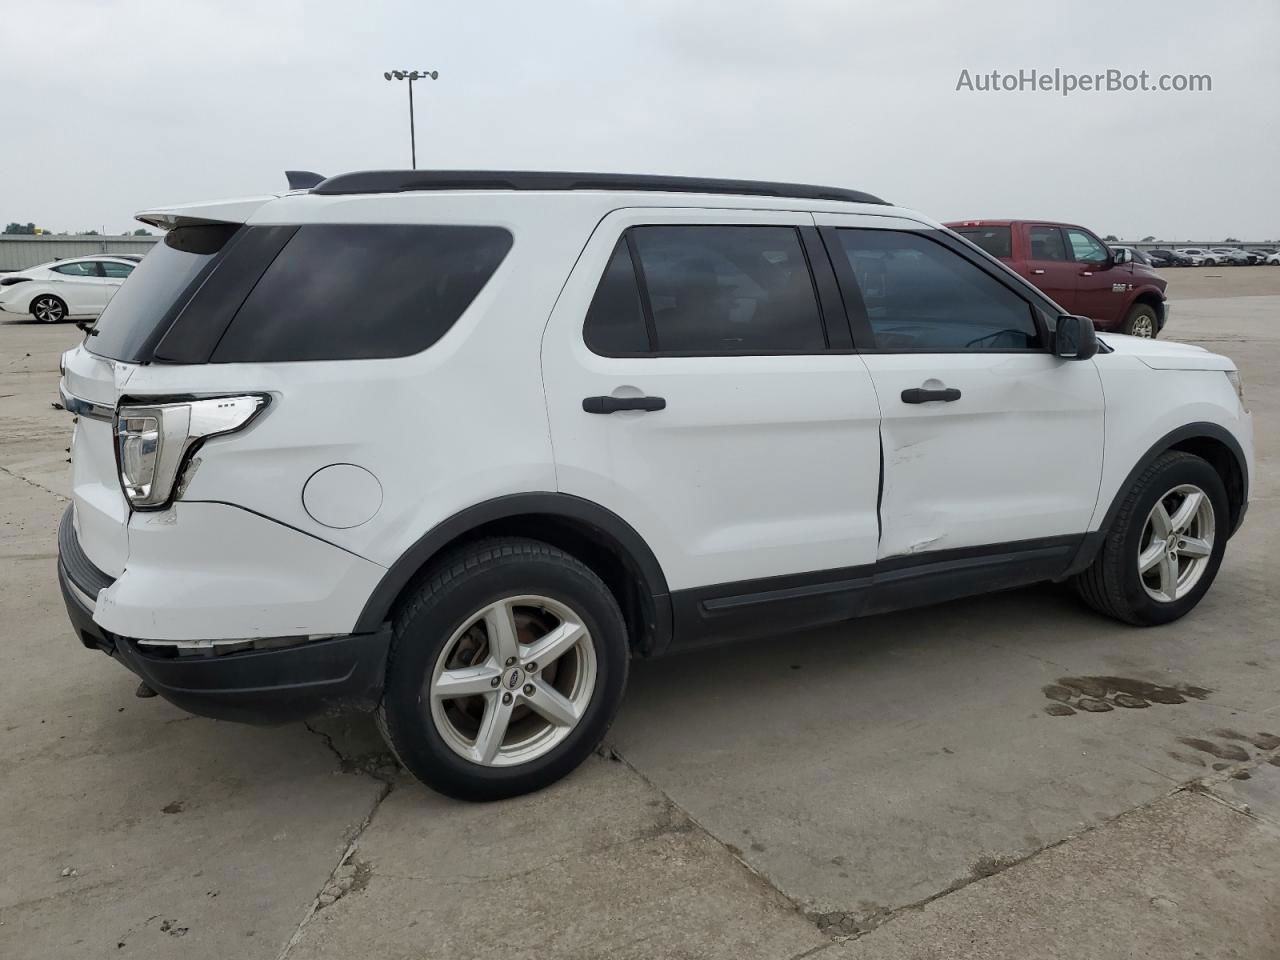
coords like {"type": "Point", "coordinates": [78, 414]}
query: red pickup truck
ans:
{"type": "Point", "coordinates": [1077, 270]}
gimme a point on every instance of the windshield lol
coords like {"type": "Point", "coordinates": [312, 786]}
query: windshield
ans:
{"type": "Point", "coordinates": [145, 305]}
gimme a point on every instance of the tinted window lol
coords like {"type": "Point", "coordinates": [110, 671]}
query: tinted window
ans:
{"type": "Point", "coordinates": [615, 320]}
{"type": "Point", "coordinates": [920, 296]}
{"type": "Point", "coordinates": [140, 311]}
{"type": "Point", "coordinates": [1085, 248]}
{"type": "Point", "coordinates": [81, 268]}
{"type": "Point", "coordinates": [997, 241]}
{"type": "Point", "coordinates": [116, 270]}
{"type": "Point", "coordinates": [729, 289]}
{"type": "Point", "coordinates": [346, 292]}
{"type": "Point", "coordinates": [1046, 244]}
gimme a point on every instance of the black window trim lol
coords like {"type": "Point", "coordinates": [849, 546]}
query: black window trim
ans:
{"type": "Point", "coordinates": [1041, 308]}
{"type": "Point", "coordinates": [815, 267]}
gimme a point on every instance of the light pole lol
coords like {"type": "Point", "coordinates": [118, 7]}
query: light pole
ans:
{"type": "Point", "coordinates": [411, 75]}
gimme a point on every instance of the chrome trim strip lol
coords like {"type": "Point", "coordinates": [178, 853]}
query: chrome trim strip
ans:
{"type": "Point", "coordinates": [88, 601]}
{"type": "Point", "coordinates": [85, 408]}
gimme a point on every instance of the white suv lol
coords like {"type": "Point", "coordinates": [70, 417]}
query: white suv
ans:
{"type": "Point", "coordinates": [454, 447]}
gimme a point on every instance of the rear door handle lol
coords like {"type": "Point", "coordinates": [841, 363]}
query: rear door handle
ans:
{"type": "Point", "coordinates": [614, 404]}
{"type": "Point", "coordinates": [921, 395]}
{"type": "Point", "coordinates": [1037, 271]}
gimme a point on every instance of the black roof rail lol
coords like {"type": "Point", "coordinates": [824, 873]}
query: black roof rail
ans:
{"type": "Point", "coordinates": [401, 181]}
{"type": "Point", "coordinates": [303, 179]}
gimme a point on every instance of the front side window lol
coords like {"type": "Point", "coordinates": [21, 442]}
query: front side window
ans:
{"type": "Point", "coordinates": [361, 291]}
{"type": "Point", "coordinates": [116, 271]}
{"type": "Point", "coordinates": [919, 296]}
{"type": "Point", "coordinates": [1046, 244]}
{"type": "Point", "coordinates": [81, 268]}
{"type": "Point", "coordinates": [1086, 248]}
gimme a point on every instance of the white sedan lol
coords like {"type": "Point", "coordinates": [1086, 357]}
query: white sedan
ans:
{"type": "Point", "coordinates": [71, 289]}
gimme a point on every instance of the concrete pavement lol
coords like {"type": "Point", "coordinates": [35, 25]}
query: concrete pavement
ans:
{"type": "Point", "coordinates": [892, 787]}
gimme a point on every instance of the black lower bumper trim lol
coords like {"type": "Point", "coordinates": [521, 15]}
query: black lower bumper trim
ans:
{"type": "Point", "coordinates": [255, 686]}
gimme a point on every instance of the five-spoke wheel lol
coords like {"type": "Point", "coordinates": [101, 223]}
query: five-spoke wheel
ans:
{"type": "Point", "coordinates": [511, 684]}
{"type": "Point", "coordinates": [507, 665]}
{"type": "Point", "coordinates": [1177, 541]}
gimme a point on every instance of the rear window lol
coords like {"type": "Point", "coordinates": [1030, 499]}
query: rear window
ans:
{"type": "Point", "coordinates": [357, 291]}
{"type": "Point", "coordinates": [142, 309]}
{"type": "Point", "coordinates": [996, 241]}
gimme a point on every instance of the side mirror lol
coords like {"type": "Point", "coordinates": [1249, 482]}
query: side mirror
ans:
{"type": "Point", "coordinates": [1074, 338]}
{"type": "Point", "coordinates": [1120, 256]}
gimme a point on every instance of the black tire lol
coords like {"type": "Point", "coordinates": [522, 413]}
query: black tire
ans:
{"type": "Point", "coordinates": [57, 305]}
{"type": "Point", "coordinates": [1112, 585]}
{"type": "Point", "coordinates": [1138, 312]}
{"type": "Point", "coordinates": [450, 593]}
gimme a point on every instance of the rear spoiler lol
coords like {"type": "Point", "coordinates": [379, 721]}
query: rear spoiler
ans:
{"type": "Point", "coordinates": [217, 211]}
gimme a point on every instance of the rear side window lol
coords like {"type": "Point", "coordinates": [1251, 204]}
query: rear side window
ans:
{"type": "Point", "coordinates": [142, 309]}
{"type": "Point", "coordinates": [918, 296]}
{"type": "Point", "coordinates": [347, 292]}
{"type": "Point", "coordinates": [997, 241]}
{"type": "Point", "coordinates": [81, 268]}
{"type": "Point", "coordinates": [707, 290]}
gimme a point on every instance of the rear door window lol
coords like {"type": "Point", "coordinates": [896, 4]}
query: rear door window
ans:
{"type": "Point", "coordinates": [360, 291]}
{"type": "Point", "coordinates": [141, 311]}
{"type": "Point", "coordinates": [81, 268]}
{"type": "Point", "coordinates": [997, 241]}
{"type": "Point", "coordinates": [1047, 244]}
{"type": "Point", "coordinates": [709, 291]}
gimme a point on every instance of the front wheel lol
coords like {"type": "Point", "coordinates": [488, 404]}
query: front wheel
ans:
{"type": "Point", "coordinates": [506, 668]}
{"type": "Point", "coordinates": [1141, 322]}
{"type": "Point", "coordinates": [48, 309]}
{"type": "Point", "coordinates": [1165, 546]}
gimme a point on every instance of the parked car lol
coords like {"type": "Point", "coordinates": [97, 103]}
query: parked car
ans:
{"type": "Point", "coordinates": [646, 413]}
{"type": "Point", "coordinates": [1167, 258]}
{"type": "Point", "coordinates": [71, 289]}
{"type": "Point", "coordinates": [1136, 255]}
{"type": "Point", "coordinates": [1207, 258]}
{"type": "Point", "coordinates": [1232, 256]}
{"type": "Point", "coordinates": [1273, 259]}
{"type": "Point", "coordinates": [1075, 268]}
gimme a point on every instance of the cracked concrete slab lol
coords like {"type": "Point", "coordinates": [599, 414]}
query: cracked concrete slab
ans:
{"type": "Point", "coordinates": [599, 865]}
{"type": "Point", "coordinates": [1182, 877]}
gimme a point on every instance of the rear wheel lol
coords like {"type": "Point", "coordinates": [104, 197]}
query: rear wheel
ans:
{"type": "Point", "coordinates": [48, 309]}
{"type": "Point", "coordinates": [507, 667]}
{"type": "Point", "coordinates": [1141, 322]}
{"type": "Point", "coordinates": [1165, 546]}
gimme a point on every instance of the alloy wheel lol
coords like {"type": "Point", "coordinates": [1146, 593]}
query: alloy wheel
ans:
{"type": "Point", "coordinates": [513, 681]}
{"type": "Point", "coordinates": [1143, 326]}
{"type": "Point", "coordinates": [1176, 543]}
{"type": "Point", "coordinates": [48, 309]}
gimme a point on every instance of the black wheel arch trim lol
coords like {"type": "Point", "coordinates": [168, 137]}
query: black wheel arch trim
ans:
{"type": "Point", "coordinates": [1189, 431]}
{"type": "Point", "coordinates": [604, 522]}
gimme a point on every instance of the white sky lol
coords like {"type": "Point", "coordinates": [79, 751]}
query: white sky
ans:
{"type": "Point", "coordinates": [108, 107]}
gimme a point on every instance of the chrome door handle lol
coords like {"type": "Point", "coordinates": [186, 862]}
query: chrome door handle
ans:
{"type": "Point", "coordinates": [1037, 272]}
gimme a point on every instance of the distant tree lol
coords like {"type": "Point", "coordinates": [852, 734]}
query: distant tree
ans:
{"type": "Point", "coordinates": [88, 233]}
{"type": "Point", "coordinates": [1231, 240]}
{"type": "Point", "coordinates": [20, 229]}
{"type": "Point", "coordinates": [1148, 239]}
{"type": "Point", "coordinates": [141, 233]}
{"type": "Point", "coordinates": [1111, 238]}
